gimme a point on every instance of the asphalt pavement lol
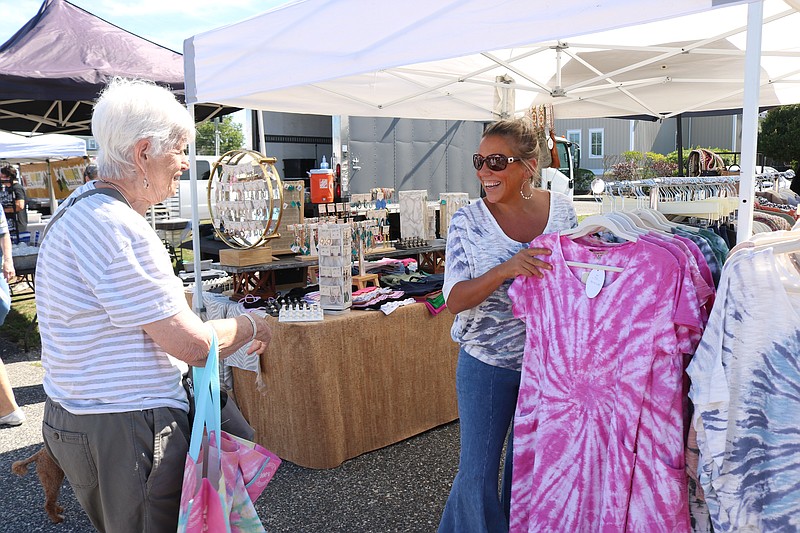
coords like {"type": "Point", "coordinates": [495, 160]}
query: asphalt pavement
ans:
{"type": "Point", "coordinates": [400, 488]}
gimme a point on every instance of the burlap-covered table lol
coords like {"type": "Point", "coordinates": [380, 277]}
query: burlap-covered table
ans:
{"type": "Point", "coordinates": [351, 384]}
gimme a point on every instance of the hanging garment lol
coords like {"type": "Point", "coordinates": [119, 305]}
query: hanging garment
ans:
{"type": "Point", "coordinates": [745, 382]}
{"type": "Point", "coordinates": [598, 431]}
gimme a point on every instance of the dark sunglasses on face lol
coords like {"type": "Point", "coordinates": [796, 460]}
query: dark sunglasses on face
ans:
{"type": "Point", "coordinates": [495, 162]}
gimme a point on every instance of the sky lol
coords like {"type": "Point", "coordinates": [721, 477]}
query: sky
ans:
{"type": "Point", "coordinates": [165, 22]}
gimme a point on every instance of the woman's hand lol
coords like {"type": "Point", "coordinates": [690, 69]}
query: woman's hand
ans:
{"type": "Point", "coordinates": [8, 270]}
{"type": "Point", "coordinates": [472, 292]}
{"type": "Point", "coordinates": [526, 263]}
{"type": "Point", "coordinates": [263, 336]}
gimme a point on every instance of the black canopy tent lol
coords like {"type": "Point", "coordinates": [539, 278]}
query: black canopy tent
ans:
{"type": "Point", "coordinates": [53, 68]}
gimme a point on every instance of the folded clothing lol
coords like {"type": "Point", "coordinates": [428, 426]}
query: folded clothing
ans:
{"type": "Point", "coordinates": [390, 307]}
{"type": "Point", "coordinates": [430, 283]}
{"type": "Point", "coordinates": [434, 301]}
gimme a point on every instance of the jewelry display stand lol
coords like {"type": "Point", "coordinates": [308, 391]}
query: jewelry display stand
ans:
{"type": "Point", "coordinates": [293, 206]}
{"type": "Point", "coordinates": [245, 198]}
{"type": "Point", "coordinates": [302, 312]}
{"type": "Point", "coordinates": [335, 248]}
{"type": "Point", "coordinates": [304, 240]}
{"type": "Point", "coordinates": [413, 212]}
{"type": "Point", "coordinates": [450, 202]}
{"type": "Point", "coordinates": [380, 231]}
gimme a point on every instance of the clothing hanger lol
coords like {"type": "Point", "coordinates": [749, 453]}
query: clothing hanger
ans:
{"type": "Point", "coordinates": [591, 225]}
{"type": "Point", "coordinates": [637, 222]}
{"type": "Point", "coordinates": [774, 238]}
{"type": "Point", "coordinates": [628, 224]}
{"type": "Point", "coordinates": [652, 221]}
{"type": "Point", "coordinates": [594, 223]}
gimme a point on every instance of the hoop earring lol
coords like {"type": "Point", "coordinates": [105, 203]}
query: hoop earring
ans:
{"type": "Point", "coordinates": [522, 189]}
{"type": "Point", "coordinates": [146, 184]}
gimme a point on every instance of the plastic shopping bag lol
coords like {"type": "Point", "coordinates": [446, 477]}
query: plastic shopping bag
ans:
{"type": "Point", "coordinates": [224, 474]}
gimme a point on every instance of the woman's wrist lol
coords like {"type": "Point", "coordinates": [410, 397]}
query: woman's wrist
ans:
{"type": "Point", "coordinates": [253, 324]}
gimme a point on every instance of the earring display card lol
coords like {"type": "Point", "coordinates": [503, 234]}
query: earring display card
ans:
{"type": "Point", "coordinates": [413, 213]}
{"type": "Point", "coordinates": [335, 248]}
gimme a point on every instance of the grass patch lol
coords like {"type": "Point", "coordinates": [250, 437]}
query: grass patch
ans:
{"type": "Point", "coordinates": [20, 325]}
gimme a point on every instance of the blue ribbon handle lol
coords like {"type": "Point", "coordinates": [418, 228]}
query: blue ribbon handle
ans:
{"type": "Point", "coordinates": [207, 399]}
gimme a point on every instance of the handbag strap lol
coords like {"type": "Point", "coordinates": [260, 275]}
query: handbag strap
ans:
{"type": "Point", "coordinates": [207, 400]}
{"type": "Point", "coordinates": [114, 193]}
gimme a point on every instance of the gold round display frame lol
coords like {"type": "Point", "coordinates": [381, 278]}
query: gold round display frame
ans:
{"type": "Point", "coordinates": [245, 198]}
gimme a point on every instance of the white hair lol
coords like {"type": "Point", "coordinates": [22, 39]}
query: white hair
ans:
{"type": "Point", "coordinates": [128, 111]}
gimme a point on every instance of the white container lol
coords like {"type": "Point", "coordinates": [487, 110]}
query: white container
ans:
{"type": "Point", "coordinates": [205, 264]}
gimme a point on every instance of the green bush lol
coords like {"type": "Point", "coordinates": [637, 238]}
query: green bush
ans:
{"type": "Point", "coordinates": [638, 165]}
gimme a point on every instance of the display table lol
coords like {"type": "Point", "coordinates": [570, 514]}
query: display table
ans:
{"type": "Point", "coordinates": [351, 384]}
{"type": "Point", "coordinates": [260, 280]}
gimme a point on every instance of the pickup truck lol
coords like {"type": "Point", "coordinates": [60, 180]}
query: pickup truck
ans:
{"type": "Point", "coordinates": [566, 178]}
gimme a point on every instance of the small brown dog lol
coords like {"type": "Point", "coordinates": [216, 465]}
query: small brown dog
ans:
{"type": "Point", "coordinates": [50, 475]}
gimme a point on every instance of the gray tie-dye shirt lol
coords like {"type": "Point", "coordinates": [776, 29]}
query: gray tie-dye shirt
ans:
{"type": "Point", "coordinates": [475, 244]}
{"type": "Point", "coordinates": [745, 377]}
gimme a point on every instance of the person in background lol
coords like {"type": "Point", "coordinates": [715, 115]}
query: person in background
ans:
{"type": "Point", "coordinates": [117, 332]}
{"type": "Point", "coordinates": [90, 173]}
{"type": "Point", "coordinates": [487, 248]}
{"type": "Point", "coordinates": [10, 413]}
{"type": "Point", "coordinates": [14, 200]}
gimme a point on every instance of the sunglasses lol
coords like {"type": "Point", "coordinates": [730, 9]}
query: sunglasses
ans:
{"type": "Point", "coordinates": [495, 162]}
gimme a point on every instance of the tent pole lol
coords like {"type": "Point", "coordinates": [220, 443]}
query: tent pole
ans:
{"type": "Point", "coordinates": [254, 144]}
{"type": "Point", "coordinates": [197, 299]}
{"type": "Point", "coordinates": [53, 199]}
{"type": "Point", "coordinates": [679, 141]}
{"type": "Point", "coordinates": [752, 79]}
{"type": "Point", "coordinates": [262, 141]}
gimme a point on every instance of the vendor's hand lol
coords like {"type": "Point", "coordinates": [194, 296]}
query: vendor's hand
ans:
{"type": "Point", "coordinates": [526, 263]}
{"type": "Point", "coordinates": [263, 336]}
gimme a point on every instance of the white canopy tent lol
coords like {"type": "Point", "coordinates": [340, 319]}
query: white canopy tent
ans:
{"type": "Point", "coordinates": [475, 60]}
{"type": "Point", "coordinates": [16, 148]}
{"type": "Point", "coordinates": [20, 148]}
{"type": "Point", "coordinates": [447, 60]}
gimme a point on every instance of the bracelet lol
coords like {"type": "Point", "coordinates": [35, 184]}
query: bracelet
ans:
{"type": "Point", "coordinates": [253, 322]}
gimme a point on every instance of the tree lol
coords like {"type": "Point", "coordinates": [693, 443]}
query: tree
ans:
{"type": "Point", "coordinates": [230, 136]}
{"type": "Point", "coordinates": [779, 139]}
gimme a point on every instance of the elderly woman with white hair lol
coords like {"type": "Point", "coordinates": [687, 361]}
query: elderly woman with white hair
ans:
{"type": "Point", "coordinates": [117, 332]}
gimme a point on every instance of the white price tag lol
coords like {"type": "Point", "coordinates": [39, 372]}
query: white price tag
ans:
{"type": "Point", "coordinates": [594, 282]}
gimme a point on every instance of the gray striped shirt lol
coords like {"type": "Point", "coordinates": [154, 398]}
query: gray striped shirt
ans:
{"type": "Point", "coordinates": [102, 273]}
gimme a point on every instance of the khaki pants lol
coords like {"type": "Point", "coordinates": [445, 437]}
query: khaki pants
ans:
{"type": "Point", "coordinates": [126, 469]}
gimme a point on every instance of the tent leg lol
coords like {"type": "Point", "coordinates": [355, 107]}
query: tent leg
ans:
{"type": "Point", "coordinates": [752, 80]}
{"type": "Point", "coordinates": [679, 142]}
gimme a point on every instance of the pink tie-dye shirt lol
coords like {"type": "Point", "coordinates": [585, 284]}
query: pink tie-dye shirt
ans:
{"type": "Point", "coordinates": [598, 431]}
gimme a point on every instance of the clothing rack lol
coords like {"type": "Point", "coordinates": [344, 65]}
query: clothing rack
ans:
{"type": "Point", "coordinates": [654, 186]}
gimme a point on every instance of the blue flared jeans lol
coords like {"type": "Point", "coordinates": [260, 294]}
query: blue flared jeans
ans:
{"type": "Point", "coordinates": [487, 398]}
